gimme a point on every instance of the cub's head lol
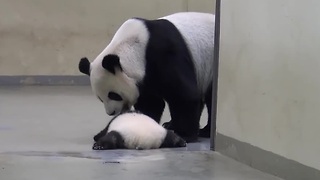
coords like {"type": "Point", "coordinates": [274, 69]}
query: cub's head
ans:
{"type": "Point", "coordinates": [110, 84]}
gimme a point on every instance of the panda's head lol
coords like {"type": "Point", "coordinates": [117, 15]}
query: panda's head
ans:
{"type": "Point", "coordinates": [110, 84]}
{"type": "Point", "coordinates": [116, 71]}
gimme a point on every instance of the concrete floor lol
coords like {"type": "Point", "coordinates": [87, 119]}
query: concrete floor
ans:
{"type": "Point", "coordinates": [46, 133]}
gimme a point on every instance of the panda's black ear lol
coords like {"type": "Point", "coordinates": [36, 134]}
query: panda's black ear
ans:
{"type": "Point", "coordinates": [84, 66]}
{"type": "Point", "coordinates": [111, 62]}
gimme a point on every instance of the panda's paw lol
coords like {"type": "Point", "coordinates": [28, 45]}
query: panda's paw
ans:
{"type": "Point", "coordinates": [97, 146]}
{"type": "Point", "coordinates": [139, 148]}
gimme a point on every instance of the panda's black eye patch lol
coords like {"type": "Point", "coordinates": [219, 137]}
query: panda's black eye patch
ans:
{"type": "Point", "coordinates": [114, 96]}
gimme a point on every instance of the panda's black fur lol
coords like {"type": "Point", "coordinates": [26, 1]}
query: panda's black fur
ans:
{"type": "Point", "coordinates": [169, 62]}
{"type": "Point", "coordinates": [170, 73]}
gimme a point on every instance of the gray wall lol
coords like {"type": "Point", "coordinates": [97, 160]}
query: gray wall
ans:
{"type": "Point", "coordinates": [46, 37]}
{"type": "Point", "coordinates": [269, 77]}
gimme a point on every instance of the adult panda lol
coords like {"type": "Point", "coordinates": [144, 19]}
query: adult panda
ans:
{"type": "Point", "coordinates": [149, 62]}
{"type": "Point", "coordinates": [134, 130]}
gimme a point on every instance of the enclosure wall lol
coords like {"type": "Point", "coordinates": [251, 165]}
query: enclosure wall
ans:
{"type": "Point", "coordinates": [269, 83]}
{"type": "Point", "coordinates": [49, 37]}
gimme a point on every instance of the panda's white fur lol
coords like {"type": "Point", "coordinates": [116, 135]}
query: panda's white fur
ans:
{"type": "Point", "coordinates": [138, 131]}
{"type": "Point", "coordinates": [129, 43]}
{"type": "Point", "coordinates": [199, 40]}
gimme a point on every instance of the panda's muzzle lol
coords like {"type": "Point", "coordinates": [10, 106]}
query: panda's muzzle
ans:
{"type": "Point", "coordinates": [125, 108]}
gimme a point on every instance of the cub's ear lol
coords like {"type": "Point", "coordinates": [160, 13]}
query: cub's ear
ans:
{"type": "Point", "coordinates": [111, 62]}
{"type": "Point", "coordinates": [84, 66]}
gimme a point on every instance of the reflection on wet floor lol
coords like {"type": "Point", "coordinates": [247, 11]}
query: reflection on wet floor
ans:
{"type": "Point", "coordinates": [114, 155]}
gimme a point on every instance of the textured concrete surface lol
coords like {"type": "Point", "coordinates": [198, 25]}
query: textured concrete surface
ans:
{"type": "Point", "coordinates": [46, 133]}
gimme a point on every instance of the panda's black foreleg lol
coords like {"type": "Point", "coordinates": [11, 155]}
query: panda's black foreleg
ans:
{"type": "Point", "coordinates": [205, 131]}
{"type": "Point", "coordinates": [185, 116]}
{"type": "Point", "coordinates": [168, 125]}
{"type": "Point", "coordinates": [112, 140]}
{"type": "Point", "coordinates": [202, 132]}
{"type": "Point", "coordinates": [150, 105]}
{"type": "Point", "coordinates": [100, 134]}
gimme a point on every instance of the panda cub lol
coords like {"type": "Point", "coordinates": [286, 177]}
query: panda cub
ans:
{"type": "Point", "coordinates": [134, 130]}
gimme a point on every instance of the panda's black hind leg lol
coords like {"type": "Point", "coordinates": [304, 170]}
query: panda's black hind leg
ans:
{"type": "Point", "coordinates": [172, 140]}
{"type": "Point", "coordinates": [205, 131]}
{"type": "Point", "coordinates": [112, 140]}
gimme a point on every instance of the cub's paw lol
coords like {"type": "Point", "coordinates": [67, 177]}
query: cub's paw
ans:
{"type": "Point", "coordinates": [97, 146]}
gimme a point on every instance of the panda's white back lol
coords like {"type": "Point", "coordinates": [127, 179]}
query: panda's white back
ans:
{"type": "Point", "coordinates": [197, 30]}
{"type": "Point", "coordinates": [138, 130]}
